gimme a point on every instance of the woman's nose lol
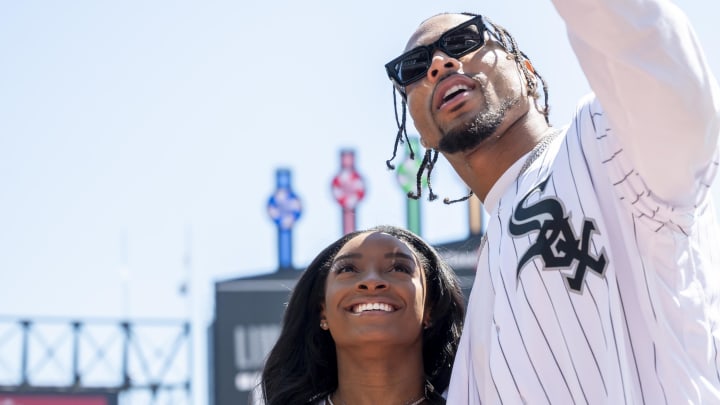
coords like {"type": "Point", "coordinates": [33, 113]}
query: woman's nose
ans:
{"type": "Point", "coordinates": [371, 281]}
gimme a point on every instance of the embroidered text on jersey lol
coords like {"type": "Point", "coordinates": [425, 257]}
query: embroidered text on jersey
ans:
{"type": "Point", "coordinates": [556, 243]}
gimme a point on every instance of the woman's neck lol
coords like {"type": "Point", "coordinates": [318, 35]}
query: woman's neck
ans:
{"type": "Point", "coordinates": [395, 377]}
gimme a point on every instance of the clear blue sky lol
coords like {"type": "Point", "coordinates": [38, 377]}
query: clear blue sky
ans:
{"type": "Point", "coordinates": [135, 132]}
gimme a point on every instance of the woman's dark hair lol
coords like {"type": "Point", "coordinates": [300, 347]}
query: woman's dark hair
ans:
{"type": "Point", "coordinates": [302, 366]}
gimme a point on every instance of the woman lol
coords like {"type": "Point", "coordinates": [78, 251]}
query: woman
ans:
{"type": "Point", "coordinates": [374, 319]}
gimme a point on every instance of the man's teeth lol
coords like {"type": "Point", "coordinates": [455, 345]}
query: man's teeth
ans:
{"type": "Point", "coordinates": [454, 90]}
{"type": "Point", "coordinates": [375, 306]}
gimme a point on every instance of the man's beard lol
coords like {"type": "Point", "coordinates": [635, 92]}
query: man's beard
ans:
{"type": "Point", "coordinates": [469, 135]}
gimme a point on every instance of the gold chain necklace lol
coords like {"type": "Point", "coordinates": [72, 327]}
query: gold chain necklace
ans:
{"type": "Point", "coordinates": [415, 402]}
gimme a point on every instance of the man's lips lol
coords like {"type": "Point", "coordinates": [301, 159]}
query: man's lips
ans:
{"type": "Point", "coordinates": [451, 90]}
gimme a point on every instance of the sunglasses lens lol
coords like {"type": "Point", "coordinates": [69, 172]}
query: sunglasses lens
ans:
{"type": "Point", "coordinates": [463, 40]}
{"type": "Point", "coordinates": [412, 66]}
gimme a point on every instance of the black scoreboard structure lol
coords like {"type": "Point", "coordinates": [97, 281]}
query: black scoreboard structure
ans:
{"type": "Point", "coordinates": [248, 312]}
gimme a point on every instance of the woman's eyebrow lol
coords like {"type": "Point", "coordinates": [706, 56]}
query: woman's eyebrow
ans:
{"type": "Point", "coordinates": [400, 255]}
{"type": "Point", "coordinates": [389, 255]}
{"type": "Point", "coordinates": [347, 256]}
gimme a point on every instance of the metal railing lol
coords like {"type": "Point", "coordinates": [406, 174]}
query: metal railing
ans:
{"type": "Point", "coordinates": [146, 362]}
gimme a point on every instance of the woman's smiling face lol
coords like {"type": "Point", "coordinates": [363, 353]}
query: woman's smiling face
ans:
{"type": "Point", "coordinates": [375, 292]}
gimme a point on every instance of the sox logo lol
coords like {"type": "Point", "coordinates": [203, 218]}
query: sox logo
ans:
{"type": "Point", "coordinates": [557, 243]}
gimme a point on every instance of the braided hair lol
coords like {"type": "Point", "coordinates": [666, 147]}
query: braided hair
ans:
{"type": "Point", "coordinates": [531, 75]}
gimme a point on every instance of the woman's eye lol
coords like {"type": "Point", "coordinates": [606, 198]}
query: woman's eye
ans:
{"type": "Point", "coordinates": [403, 269]}
{"type": "Point", "coordinates": [345, 269]}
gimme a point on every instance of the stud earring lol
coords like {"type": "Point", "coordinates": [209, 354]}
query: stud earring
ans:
{"type": "Point", "coordinates": [323, 324]}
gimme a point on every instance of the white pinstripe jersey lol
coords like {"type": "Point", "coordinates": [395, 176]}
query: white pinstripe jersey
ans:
{"type": "Point", "coordinates": [590, 288]}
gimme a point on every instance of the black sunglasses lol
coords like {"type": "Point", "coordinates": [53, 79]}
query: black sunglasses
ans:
{"type": "Point", "coordinates": [456, 42]}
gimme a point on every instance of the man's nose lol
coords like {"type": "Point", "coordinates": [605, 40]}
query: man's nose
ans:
{"type": "Point", "coordinates": [440, 65]}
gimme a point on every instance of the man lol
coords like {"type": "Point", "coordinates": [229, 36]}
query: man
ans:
{"type": "Point", "coordinates": [598, 279]}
